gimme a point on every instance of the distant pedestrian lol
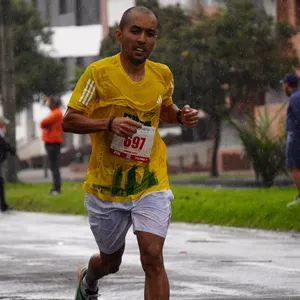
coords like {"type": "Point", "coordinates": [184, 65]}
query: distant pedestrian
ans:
{"type": "Point", "coordinates": [5, 148]}
{"type": "Point", "coordinates": [290, 86]}
{"type": "Point", "coordinates": [52, 135]}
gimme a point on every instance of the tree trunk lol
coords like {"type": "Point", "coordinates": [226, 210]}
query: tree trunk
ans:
{"type": "Point", "coordinates": [7, 82]}
{"type": "Point", "coordinates": [214, 162]}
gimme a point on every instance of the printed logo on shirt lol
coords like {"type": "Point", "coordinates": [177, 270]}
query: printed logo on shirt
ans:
{"type": "Point", "coordinates": [135, 118]}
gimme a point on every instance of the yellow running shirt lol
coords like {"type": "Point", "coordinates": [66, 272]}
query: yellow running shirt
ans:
{"type": "Point", "coordinates": [122, 169]}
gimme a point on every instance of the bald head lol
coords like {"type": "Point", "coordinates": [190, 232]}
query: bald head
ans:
{"type": "Point", "coordinates": [127, 14]}
{"type": "Point", "coordinates": [137, 34]}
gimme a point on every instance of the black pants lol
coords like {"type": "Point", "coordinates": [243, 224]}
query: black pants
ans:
{"type": "Point", "coordinates": [53, 153]}
{"type": "Point", "coordinates": [3, 205]}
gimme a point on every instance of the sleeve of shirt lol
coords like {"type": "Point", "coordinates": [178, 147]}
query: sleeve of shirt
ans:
{"type": "Point", "coordinates": [85, 93]}
{"type": "Point", "coordinates": [295, 105]}
{"type": "Point", "coordinates": [167, 98]}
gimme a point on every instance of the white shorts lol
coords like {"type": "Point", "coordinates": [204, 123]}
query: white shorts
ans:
{"type": "Point", "coordinates": [110, 221]}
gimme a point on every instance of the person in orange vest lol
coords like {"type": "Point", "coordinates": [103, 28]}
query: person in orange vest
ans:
{"type": "Point", "coordinates": [52, 136]}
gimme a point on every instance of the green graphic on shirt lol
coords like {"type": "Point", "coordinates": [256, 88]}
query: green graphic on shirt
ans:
{"type": "Point", "coordinates": [135, 118]}
{"type": "Point", "coordinates": [131, 181]}
{"type": "Point", "coordinates": [149, 178]}
{"type": "Point", "coordinates": [117, 180]}
{"type": "Point", "coordinates": [132, 187]}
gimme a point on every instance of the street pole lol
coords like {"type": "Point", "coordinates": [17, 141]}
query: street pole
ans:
{"type": "Point", "coordinates": [8, 98]}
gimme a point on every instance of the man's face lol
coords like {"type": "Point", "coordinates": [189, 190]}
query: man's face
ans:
{"type": "Point", "coordinates": [138, 36]}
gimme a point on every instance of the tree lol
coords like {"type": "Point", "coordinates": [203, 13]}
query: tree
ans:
{"type": "Point", "coordinates": [247, 52]}
{"type": "Point", "coordinates": [202, 85]}
{"type": "Point", "coordinates": [239, 47]}
{"type": "Point", "coordinates": [35, 72]}
{"type": "Point", "coordinates": [25, 70]}
{"type": "Point", "coordinates": [247, 49]}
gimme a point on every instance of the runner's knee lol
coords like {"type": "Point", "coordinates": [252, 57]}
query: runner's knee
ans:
{"type": "Point", "coordinates": [114, 268]}
{"type": "Point", "coordinates": [113, 261]}
{"type": "Point", "coordinates": [152, 259]}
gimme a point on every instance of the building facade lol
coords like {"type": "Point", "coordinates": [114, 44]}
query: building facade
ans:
{"type": "Point", "coordinates": [69, 12]}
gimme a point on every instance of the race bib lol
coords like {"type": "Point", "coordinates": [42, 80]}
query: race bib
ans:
{"type": "Point", "coordinates": [138, 147]}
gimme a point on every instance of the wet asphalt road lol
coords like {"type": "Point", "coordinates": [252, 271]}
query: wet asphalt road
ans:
{"type": "Point", "coordinates": [39, 255]}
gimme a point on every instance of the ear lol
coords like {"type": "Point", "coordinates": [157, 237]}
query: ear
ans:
{"type": "Point", "coordinates": [118, 35]}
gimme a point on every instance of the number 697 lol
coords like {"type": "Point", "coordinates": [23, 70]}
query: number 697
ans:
{"type": "Point", "coordinates": [135, 143]}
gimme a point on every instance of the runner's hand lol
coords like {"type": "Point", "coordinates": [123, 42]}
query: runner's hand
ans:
{"type": "Point", "coordinates": [125, 127]}
{"type": "Point", "coordinates": [189, 117]}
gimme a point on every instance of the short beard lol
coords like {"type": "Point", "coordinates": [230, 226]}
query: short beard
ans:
{"type": "Point", "coordinates": [137, 62]}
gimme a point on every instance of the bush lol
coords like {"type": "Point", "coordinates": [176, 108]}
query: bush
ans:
{"type": "Point", "coordinates": [264, 148]}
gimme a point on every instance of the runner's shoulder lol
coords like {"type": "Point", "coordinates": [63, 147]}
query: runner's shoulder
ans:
{"type": "Point", "coordinates": [159, 67]}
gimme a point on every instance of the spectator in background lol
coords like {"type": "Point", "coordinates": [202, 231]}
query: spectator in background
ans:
{"type": "Point", "coordinates": [52, 135]}
{"type": "Point", "coordinates": [5, 148]}
{"type": "Point", "coordinates": [290, 86]}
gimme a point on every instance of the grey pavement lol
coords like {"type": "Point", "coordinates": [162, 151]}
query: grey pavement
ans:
{"type": "Point", "coordinates": [39, 255]}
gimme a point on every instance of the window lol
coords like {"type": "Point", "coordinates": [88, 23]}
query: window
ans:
{"type": "Point", "coordinates": [62, 7]}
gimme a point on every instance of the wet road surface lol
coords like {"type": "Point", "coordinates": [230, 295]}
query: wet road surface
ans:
{"type": "Point", "coordinates": [39, 255]}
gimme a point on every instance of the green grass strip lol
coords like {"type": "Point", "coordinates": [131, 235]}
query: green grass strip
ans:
{"type": "Point", "coordinates": [255, 208]}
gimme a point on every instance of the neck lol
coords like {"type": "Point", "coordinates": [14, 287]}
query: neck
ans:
{"type": "Point", "coordinates": [136, 72]}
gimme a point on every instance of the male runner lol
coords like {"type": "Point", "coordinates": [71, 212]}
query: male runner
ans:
{"type": "Point", "coordinates": [119, 101]}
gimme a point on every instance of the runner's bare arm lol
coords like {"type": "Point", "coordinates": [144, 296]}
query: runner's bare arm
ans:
{"type": "Point", "coordinates": [169, 113]}
{"type": "Point", "coordinates": [76, 122]}
{"type": "Point", "coordinates": [172, 114]}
